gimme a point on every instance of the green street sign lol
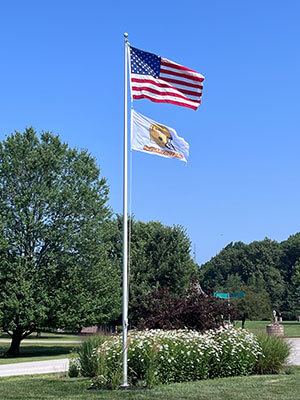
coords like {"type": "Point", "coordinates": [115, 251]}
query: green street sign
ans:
{"type": "Point", "coordinates": [235, 295]}
{"type": "Point", "coordinates": [229, 295]}
{"type": "Point", "coordinates": [221, 295]}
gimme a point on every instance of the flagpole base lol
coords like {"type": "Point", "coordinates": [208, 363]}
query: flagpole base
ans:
{"type": "Point", "coordinates": [124, 386]}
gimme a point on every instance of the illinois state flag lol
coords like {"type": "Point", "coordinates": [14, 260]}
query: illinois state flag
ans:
{"type": "Point", "coordinates": [163, 81]}
{"type": "Point", "coordinates": [152, 137]}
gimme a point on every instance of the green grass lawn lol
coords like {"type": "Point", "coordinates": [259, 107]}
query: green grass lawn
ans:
{"type": "Point", "coordinates": [37, 352]}
{"type": "Point", "coordinates": [291, 328]}
{"type": "Point", "coordinates": [268, 387]}
{"type": "Point", "coordinates": [48, 335]}
{"type": "Point", "coordinates": [40, 351]}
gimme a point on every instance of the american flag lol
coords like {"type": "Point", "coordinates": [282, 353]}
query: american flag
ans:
{"type": "Point", "coordinates": [163, 81]}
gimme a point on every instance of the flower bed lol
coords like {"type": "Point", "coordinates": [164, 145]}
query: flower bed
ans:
{"type": "Point", "coordinates": [158, 356]}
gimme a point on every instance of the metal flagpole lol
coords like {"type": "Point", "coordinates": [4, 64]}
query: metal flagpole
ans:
{"type": "Point", "coordinates": [125, 224]}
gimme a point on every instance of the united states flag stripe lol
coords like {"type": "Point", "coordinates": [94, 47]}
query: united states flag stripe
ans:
{"type": "Point", "coordinates": [163, 92]}
{"type": "Point", "coordinates": [168, 63]}
{"type": "Point", "coordinates": [180, 75]}
{"type": "Point", "coordinates": [161, 89]}
{"type": "Point", "coordinates": [165, 100]}
{"type": "Point", "coordinates": [165, 85]}
{"type": "Point", "coordinates": [176, 81]}
{"type": "Point", "coordinates": [164, 81]}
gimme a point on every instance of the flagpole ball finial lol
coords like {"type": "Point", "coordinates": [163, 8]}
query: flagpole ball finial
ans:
{"type": "Point", "coordinates": [125, 35]}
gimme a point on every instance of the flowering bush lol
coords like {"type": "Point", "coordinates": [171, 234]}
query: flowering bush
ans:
{"type": "Point", "coordinates": [74, 367]}
{"type": "Point", "coordinates": [159, 356]}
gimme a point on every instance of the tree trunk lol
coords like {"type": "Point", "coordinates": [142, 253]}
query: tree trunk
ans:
{"type": "Point", "coordinates": [243, 321]}
{"type": "Point", "coordinates": [14, 349]}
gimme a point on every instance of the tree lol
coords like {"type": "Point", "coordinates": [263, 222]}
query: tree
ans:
{"type": "Point", "coordinates": [159, 257]}
{"type": "Point", "coordinates": [294, 291]}
{"type": "Point", "coordinates": [254, 306]}
{"type": "Point", "coordinates": [289, 265]}
{"type": "Point", "coordinates": [256, 265]}
{"type": "Point", "coordinates": [54, 265]}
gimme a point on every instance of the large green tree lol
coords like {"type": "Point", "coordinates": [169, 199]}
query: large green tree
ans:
{"type": "Point", "coordinates": [54, 231]}
{"type": "Point", "coordinates": [159, 257]}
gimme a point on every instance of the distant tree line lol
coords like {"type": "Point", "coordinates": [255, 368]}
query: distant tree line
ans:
{"type": "Point", "coordinates": [267, 271]}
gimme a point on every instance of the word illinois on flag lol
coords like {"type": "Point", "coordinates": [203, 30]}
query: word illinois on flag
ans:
{"type": "Point", "coordinates": [152, 137]}
{"type": "Point", "coordinates": [163, 81]}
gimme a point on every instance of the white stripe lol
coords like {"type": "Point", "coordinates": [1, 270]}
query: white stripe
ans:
{"type": "Point", "coordinates": [140, 76]}
{"type": "Point", "coordinates": [195, 74]}
{"type": "Point", "coordinates": [183, 86]}
{"type": "Point", "coordinates": [179, 78]}
{"type": "Point", "coordinates": [171, 85]}
{"type": "Point", "coordinates": [165, 97]}
{"type": "Point", "coordinates": [169, 89]}
{"type": "Point", "coordinates": [176, 85]}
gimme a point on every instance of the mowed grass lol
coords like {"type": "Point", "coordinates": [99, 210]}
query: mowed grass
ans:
{"type": "Point", "coordinates": [291, 328]}
{"type": "Point", "coordinates": [30, 351]}
{"type": "Point", "coordinates": [47, 336]}
{"type": "Point", "coordinates": [37, 352]}
{"type": "Point", "coordinates": [268, 387]}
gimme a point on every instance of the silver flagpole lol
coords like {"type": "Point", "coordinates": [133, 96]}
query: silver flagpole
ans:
{"type": "Point", "coordinates": [125, 224]}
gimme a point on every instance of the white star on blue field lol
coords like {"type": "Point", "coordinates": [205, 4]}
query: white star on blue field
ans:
{"type": "Point", "coordinates": [144, 63]}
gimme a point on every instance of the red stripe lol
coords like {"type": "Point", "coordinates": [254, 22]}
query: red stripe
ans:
{"type": "Point", "coordinates": [171, 80]}
{"type": "Point", "coordinates": [166, 85]}
{"type": "Point", "coordinates": [148, 89]}
{"type": "Point", "coordinates": [177, 103]}
{"type": "Point", "coordinates": [171, 64]}
{"type": "Point", "coordinates": [182, 75]}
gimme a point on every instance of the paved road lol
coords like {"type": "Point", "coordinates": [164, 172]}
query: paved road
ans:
{"type": "Point", "coordinates": [35, 367]}
{"type": "Point", "coordinates": [294, 358]}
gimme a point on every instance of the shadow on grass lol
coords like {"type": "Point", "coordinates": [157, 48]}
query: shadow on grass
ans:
{"type": "Point", "coordinates": [38, 351]}
{"type": "Point", "coordinates": [53, 336]}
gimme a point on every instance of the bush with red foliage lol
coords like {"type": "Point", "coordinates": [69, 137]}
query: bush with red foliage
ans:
{"type": "Point", "coordinates": [192, 310]}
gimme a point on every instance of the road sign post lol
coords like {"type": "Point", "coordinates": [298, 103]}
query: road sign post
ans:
{"type": "Point", "coordinates": [229, 296]}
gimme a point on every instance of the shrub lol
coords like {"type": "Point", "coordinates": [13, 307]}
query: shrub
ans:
{"type": "Point", "coordinates": [193, 310]}
{"type": "Point", "coordinates": [74, 367]}
{"type": "Point", "coordinates": [274, 354]}
{"type": "Point", "coordinates": [88, 357]}
{"type": "Point", "coordinates": [157, 356]}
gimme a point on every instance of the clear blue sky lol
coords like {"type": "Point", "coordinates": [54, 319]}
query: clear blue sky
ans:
{"type": "Point", "coordinates": [61, 70]}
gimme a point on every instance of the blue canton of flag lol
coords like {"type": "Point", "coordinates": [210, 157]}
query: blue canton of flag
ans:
{"type": "Point", "coordinates": [143, 63]}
